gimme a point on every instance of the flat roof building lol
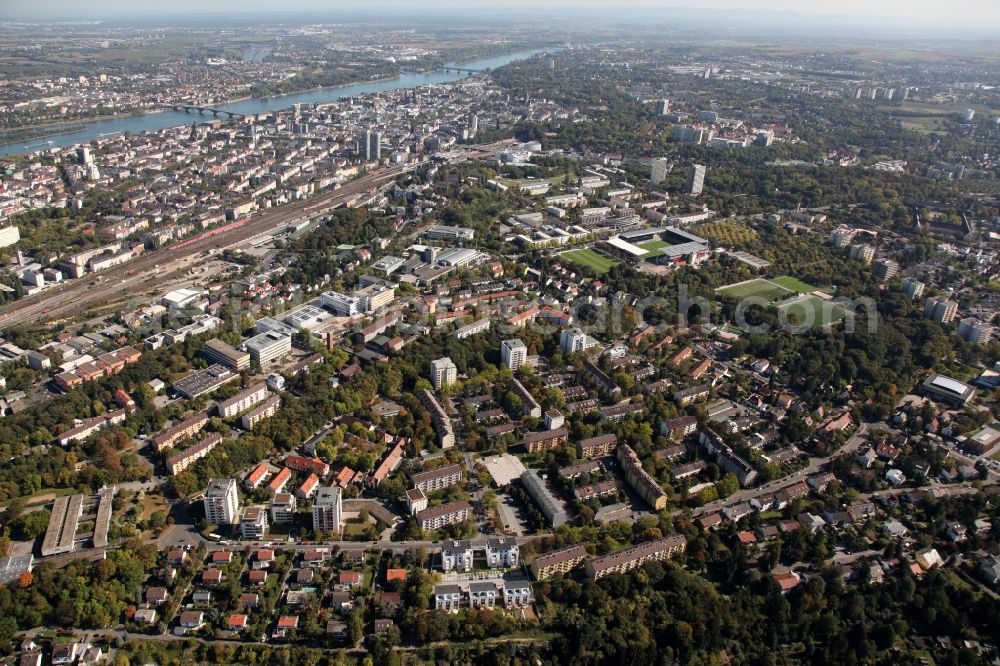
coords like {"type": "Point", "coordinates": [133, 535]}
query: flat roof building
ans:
{"type": "Point", "coordinates": [218, 351]}
{"type": "Point", "coordinates": [553, 509]}
{"type": "Point", "coordinates": [268, 346]}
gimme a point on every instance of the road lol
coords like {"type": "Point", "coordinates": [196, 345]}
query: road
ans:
{"type": "Point", "coordinates": [137, 276]}
{"type": "Point", "coordinates": [814, 465]}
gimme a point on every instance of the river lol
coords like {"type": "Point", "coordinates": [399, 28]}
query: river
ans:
{"type": "Point", "coordinates": [99, 129]}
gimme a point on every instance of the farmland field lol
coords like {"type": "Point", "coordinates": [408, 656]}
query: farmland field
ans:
{"type": "Point", "coordinates": [793, 284]}
{"type": "Point", "coordinates": [598, 263]}
{"type": "Point", "coordinates": [758, 288]}
{"type": "Point", "coordinates": [814, 310]}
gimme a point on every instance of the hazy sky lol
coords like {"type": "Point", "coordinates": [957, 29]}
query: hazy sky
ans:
{"type": "Point", "coordinates": [950, 11]}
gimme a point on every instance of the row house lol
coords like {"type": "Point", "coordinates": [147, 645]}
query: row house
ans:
{"type": "Point", "coordinates": [509, 593]}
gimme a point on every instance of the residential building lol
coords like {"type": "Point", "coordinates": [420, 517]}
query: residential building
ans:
{"type": "Point", "coordinates": [679, 428]}
{"type": "Point", "coordinates": [443, 372]}
{"type": "Point", "coordinates": [574, 340]}
{"type": "Point", "coordinates": [660, 168]}
{"type": "Point", "coordinates": [180, 431]}
{"type": "Point", "coordinates": [457, 556]}
{"type": "Point", "coordinates": [437, 517]}
{"type": "Point", "coordinates": [972, 330]}
{"type": "Point", "coordinates": [243, 400]}
{"type": "Point", "coordinates": [436, 479]}
{"type": "Point", "coordinates": [862, 252]}
{"type": "Point", "coordinates": [327, 511]}
{"type": "Point", "coordinates": [502, 553]}
{"type": "Point", "coordinates": [180, 462]}
{"type": "Point", "coordinates": [514, 353]}
{"type": "Point", "coordinates": [913, 287]}
{"type": "Point", "coordinates": [545, 440]}
{"type": "Point", "coordinates": [885, 269]}
{"type": "Point", "coordinates": [558, 562]}
{"type": "Point", "coordinates": [442, 424]}
{"type": "Point", "coordinates": [283, 508]}
{"type": "Point", "coordinates": [644, 484]}
{"type": "Point", "coordinates": [551, 507]}
{"type": "Point", "coordinates": [695, 179]}
{"type": "Point", "coordinates": [633, 558]}
{"type": "Point", "coordinates": [529, 406]}
{"type": "Point", "coordinates": [222, 502]}
{"type": "Point", "coordinates": [253, 523]}
{"type": "Point", "coordinates": [940, 309]}
{"type": "Point", "coordinates": [595, 447]}
{"type": "Point", "coordinates": [263, 411]}
{"type": "Point", "coordinates": [416, 501]}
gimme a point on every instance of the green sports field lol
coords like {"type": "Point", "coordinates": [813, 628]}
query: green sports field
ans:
{"type": "Point", "coordinates": [758, 288]}
{"type": "Point", "coordinates": [598, 263]}
{"type": "Point", "coordinates": [814, 309]}
{"type": "Point", "coordinates": [653, 247]}
{"type": "Point", "coordinates": [793, 284]}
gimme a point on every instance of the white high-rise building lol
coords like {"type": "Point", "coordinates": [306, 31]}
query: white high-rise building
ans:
{"type": "Point", "coordinates": [696, 179]}
{"type": "Point", "coordinates": [574, 340]}
{"type": "Point", "coordinates": [222, 502]}
{"type": "Point", "coordinates": [659, 173]}
{"type": "Point", "coordinates": [514, 353]}
{"type": "Point", "coordinates": [327, 510]}
{"type": "Point", "coordinates": [913, 287]}
{"type": "Point", "coordinates": [941, 310]}
{"type": "Point", "coordinates": [253, 523]}
{"type": "Point", "coordinates": [443, 372]}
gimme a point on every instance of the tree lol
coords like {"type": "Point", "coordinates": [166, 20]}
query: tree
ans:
{"type": "Point", "coordinates": [727, 485]}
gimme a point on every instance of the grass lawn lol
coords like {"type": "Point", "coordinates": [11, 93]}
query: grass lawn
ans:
{"type": "Point", "coordinates": [814, 310]}
{"type": "Point", "coordinates": [598, 263]}
{"type": "Point", "coordinates": [793, 284]}
{"type": "Point", "coordinates": [653, 247]}
{"type": "Point", "coordinates": [758, 288]}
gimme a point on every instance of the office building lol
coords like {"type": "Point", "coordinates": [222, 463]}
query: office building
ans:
{"type": "Point", "coordinates": [222, 502]}
{"type": "Point", "coordinates": [342, 305]}
{"type": "Point", "coordinates": [268, 347]}
{"type": "Point", "coordinates": [913, 287]}
{"type": "Point", "coordinates": [660, 169]}
{"type": "Point", "coordinates": [513, 353]}
{"type": "Point", "coordinates": [695, 179]}
{"type": "Point", "coordinates": [253, 523]}
{"type": "Point", "coordinates": [940, 309]}
{"type": "Point", "coordinates": [218, 351]}
{"type": "Point", "coordinates": [370, 145]}
{"type": "Point", "coordinates": [443, 372]}
{"type": "Point", "coordinates": [375, 297]}
{"type": "Point", "coordinates": [327, 511]}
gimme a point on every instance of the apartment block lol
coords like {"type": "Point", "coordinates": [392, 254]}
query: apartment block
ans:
{"type": "Point", "coordinates": [558, 562]}
{"type": "Point", "coordinates": [436, 479]}
{"type": "Point", "coordinates": [633, 558]}
{"type": "Point", "coordinates": [437, 517]}
{"type": "Point", "coordinates": [222, 502]}
{"type": "Point", "coordinates": [644, 484]}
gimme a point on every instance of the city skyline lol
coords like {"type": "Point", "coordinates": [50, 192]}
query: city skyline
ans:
{"type": "Point", "coordinates": [961, 12]}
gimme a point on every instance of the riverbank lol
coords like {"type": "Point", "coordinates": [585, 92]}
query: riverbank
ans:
{"type": "Point", "coordinates": [249, 105]}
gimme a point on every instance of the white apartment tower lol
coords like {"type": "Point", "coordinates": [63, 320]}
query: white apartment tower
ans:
{"type": "Point", "coordinates": [222, 502]}
{"type": "Point", "coordinates": [514, 353]}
